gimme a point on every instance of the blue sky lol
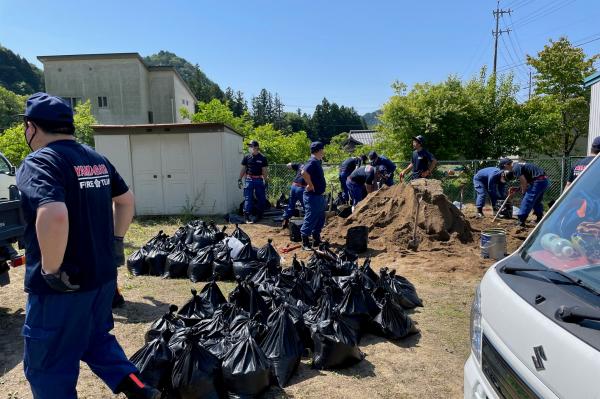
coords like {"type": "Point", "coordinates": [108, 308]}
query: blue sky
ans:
{"type": "Point", "coordinates": [348, 51]}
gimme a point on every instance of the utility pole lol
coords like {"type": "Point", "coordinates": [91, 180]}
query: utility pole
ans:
{"type": "Point", "coordinates": [530, 83]}
{"type": "Point", "coordinates": [497, 14]}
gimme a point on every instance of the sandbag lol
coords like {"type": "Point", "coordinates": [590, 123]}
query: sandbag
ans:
{"type": "Point", "coordinates": [404, 292]}
{"type": "Point", "coordinates": [195, 370]}
{"type": "Point", "coordinates": [155, 260]}
{"type": "Point", "coordinates": [202, 237]}
{"type": "Point", "coordinates": [154, 361]}
{"type": "Point", "coordinates": [282, 346]}
{"type": "Point", "coordinates": [244, 324]}
{"type": "Point", "coordinates": [357, 239]}
{"type": "Point", "coordinates": [222, 264]}
{"type": "Point", "coordinates": [344, 210]}
{"type": "Point", "coordinates": [177, 263]}
{"type": "Point", "coordinates": [194, 310]}
{"type": "Point", "coordinates": [240, 235]}
{"type": "Point", "coordinates": [294, 227]}
{"type": "Point", "coordinates": [335, 343]}
{"type": "Point", "coordinates": [200, 268]}
{"type": "Point", "coordinates": [215, 327]}
{"type": "Point", "coordinates": [246, 369]}
{"type": "Point", "coordinates": [165, 326]}
{"type": "Point", "coordinates": [212, 296]}
{"type": "Point", "coordinates": [268, 254]}
{"type": "Point", "coordinates": [358, 303]}
{"type": "Point", "coordinates": [136, 264]}
{"type": "Point", "coordinates": [392, 322]}
{"type": "Point", "coordinates": [246, 270]}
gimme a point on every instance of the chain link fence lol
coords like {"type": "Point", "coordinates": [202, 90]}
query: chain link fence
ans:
{"type": "Point", "coordinates": [456, 176]}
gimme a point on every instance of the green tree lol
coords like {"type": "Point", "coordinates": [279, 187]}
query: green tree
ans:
{"type": "Point", "coordinates": [560, 71]}
{"type": "Point", "coordinates": [83, 121]}
{"type": "Point", "coordinates": [13, 144]}
{"type": "Point", "coordinates": [18, 75]}
{"type": "Point", "coordinates": [329, 119]}
{"type": "Point", "coordinates": [217, 112]}
{"type": "Point", "coordinates": [279, 147]}
{"type": "Point", "coordinates": [11, 104]}
{"type": "Point", "coordinates": [262, 108]}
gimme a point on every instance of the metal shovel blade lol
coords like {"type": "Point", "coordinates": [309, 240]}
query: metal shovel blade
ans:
{"type": "Point", "coordinates": [413, 244]}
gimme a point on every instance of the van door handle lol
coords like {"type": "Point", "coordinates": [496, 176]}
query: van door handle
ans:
{"type": "Point", "coordinates": [169, 176]}
{"type": "Point", "coordinates": [155, 176]}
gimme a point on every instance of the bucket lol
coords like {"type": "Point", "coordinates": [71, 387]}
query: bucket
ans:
{"type": "Point", "coordinates": [493, 244]}
{"type": "Point", "coordinates": [357, 239]}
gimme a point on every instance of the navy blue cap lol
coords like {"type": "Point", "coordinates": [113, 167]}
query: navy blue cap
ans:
{"type": "Point", "coordinates": [596, 144]}
{"type": "Point", "coordinates": [503, 162]}
{"type": "Point", "coordinates": [419, 139]}
{"type": "Point", "coordinates": [316, 146]}
{"type": "Point", "coordinates": [43, 106]}
{"type": "Point", "coordinates": [372, 155]}
{"type": "Point", "coordinates": [253, 143]}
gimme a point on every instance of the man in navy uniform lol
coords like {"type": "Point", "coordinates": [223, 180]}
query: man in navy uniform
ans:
{"type": "Point", "coordinates": [296, 193]}
{"type": "Point", "coordinates": [77, 209]}
{"type": "Point", "coordinates": [583, 163]}
{"type": "Point", "coordinates": [489, 182]}
{"type": "Point", "coordinates": [364, 179]}
{"type": "Point", "coordinates": [314, 200]}
{"type": "Point", "coordinates": [346, 168]}
{"type": "Point", "coordinates": [390, 167]}
{"type": "Point", "coordinates": [423, 162]}
{"type": "Point", "coordinates": [534, 183]}
{"type": "Point", "coordinates": [254, 169]}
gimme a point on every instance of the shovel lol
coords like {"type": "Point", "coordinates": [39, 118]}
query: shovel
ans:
{"type": "Point", "coordinates": [509, 196]}
{"type": "Point", "coordinates": [413, 244]}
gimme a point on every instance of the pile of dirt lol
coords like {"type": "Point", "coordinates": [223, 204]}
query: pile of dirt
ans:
{"type": "Point", "coordinates": [390, 214]}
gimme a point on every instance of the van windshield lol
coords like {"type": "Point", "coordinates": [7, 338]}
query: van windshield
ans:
{"type": "Point", "coordinates": [569, 237]}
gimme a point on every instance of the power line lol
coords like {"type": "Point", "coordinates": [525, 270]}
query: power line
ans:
{"type": "Point", "coordinates": [542, 12]}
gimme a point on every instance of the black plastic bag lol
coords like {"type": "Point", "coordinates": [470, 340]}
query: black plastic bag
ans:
{"type": "Point", "coordinates": [392, 322]}
{"type": "Point", "coordinates": [282, 346]}
{"type": "Point", "coordinates": [136, 264]}
{"type": "Point", "coordinates": [246, 369]}
{"type": "Point", "coordinates": [246, 270]}
{"type": "Point", "coordinates": [212, 296]}
{"type": "Point", "coordinates": [154, 361]}
{"type": "Point", "coordinates": [358, 303]}
{"type": "Point", "coordinates": [156, 259]}
{"type": "Point", "coordinates": [218, 347]}
{"type": "Point", "coordinates": [222, 264]}
{"type": "Point", "coordinates": [240, 235]}
{"type": "Point", "coordinates": [357, 239]}
{"type": "Point", "coordinates": [322, 311]}
{"type": "Point", "coordinates": [166, 326]}
{"type": "Point", "coordinates": [336, 343]}
{"type": "Point", "coordinates": [263, 274]}
{"type": "Point", "coordinates": [402, 290]}
{"type": "Point", "coordinates": [215, 327]}
{"type": "Point", "coordinates": [195, 370]}
{"type": "Point", "coordinates": [246, 324]}
{"type": "Point", "coordinates": [294, 227]}
{"type": "Point", "coordinates": [202, 236]}
{"type": "Point", "coordinates": [246, 296]}
{"type": "Point", "coordinates": [269, 255]}
{"type": "Point", "coordinates": [200, 268]}
{"type": "Point", "coordinates": [194, 310]}
{"type": "Point", "coordinates": [177, 263]}
{"type": "Point", "coordinates": [230, 311]}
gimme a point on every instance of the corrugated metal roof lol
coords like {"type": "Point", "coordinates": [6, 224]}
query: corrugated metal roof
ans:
{"type": "Point", "coordinates": [362, 136]}
{"type": "Point", "coordinates": [592, 79]}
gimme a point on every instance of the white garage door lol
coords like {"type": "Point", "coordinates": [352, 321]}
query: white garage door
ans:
{"type": "Point", "coordinates": [147, 174]}
{"type": "Point", "coordinates": [176, 172]}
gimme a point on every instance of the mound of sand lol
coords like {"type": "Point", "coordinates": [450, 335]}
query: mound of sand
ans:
{"type": "Point", "coordinates": [390, 213]}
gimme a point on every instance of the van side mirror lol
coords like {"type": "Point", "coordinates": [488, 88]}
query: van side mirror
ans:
{"type": "Point", "coordinates": [13, 171]}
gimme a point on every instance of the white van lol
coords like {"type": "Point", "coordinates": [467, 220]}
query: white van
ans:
{"type": "Point", "coordinates": [535, 320]}
{"type": "Point", "coordinates": [7, 177]}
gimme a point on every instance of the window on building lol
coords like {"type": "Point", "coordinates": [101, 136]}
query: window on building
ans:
{"type": "Point", "coordinates": [102, 102]}
{"type": "Point", "coordinates": [73, 101]}
{"type": "Point", "coordinates": [183, 101]}
{"type": "Point", "coordinates": [150, 117]}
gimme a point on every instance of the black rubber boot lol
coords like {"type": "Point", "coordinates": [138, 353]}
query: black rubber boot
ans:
{"type": "Point", "coordinates": [521, 222]}
{"type": "Point", "coordinates": [248, 219]}
{"type": "Point", "coordinates": [285, 224]}
{"type": "Point", "coordinates": [538, 218]}
{"type": "Point", "coordinates": [306, 244]}
{"type": "Point", "coordinates": [133, 387]}
{"type": "Point", "coordinates": [479, 213]}
{"type": "Point", "coordinates": [316, 242]}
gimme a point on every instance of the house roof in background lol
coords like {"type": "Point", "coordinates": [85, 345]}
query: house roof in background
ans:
{"type": "Point", "coordinates": [362, 136]}
{"type": "Point", "coordinates": [592, 79]}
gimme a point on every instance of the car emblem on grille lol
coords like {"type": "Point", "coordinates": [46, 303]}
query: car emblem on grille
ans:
{"type": "Point", "coordinates": [539, 358]}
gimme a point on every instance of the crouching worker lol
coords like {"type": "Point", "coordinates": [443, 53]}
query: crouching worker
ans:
{"type": "Point", "coordinates": [314, 200]}
{"type": "Point", "coordinates": [296, 193]}
{"type": "Point", "coordinates": [77, 208]}
{"type": "Point", "coordinates": [534, 183]}
{"type": "Point", "coordinates": [346, 168]}
{"type": "Point", "coordinates": [363, 181]}
{"type": "Point", "coordinates": [489, 182]}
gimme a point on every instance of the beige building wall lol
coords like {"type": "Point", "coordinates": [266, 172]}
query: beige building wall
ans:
{"type": "Point", "coordinates": [594, 116]}
{"type": "Point", "coordinates": [183, 99]}
{"type": "Point", "coordinates": [162, 96]}
{"type": "Point", "coordinates": [121, 81]}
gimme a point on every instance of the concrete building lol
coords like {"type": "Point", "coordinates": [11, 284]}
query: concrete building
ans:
{"type": "Point", "coordinates": [593, 81]}
{"type": "Point", "coordinates": [122, 89]}
{"type": "Point", "coordinates": [176, 168]}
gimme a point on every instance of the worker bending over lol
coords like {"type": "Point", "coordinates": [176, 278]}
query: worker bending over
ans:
{"type": "Point", "coordinates": [390, 167]}
{"type": "Point", "coordinates": [489, 182]}
{"type": "Point", "coordinates": [363, 181]}
{"type": "Point", "coordinates": [296, 193]}
{"type": "Point", "coordinates": [254, 169]}
{"type": "Point", "coordinates": [423, 162]}
{"type": "Point", "coordinates": [346, 168]}
{"type": "Point", "coordinates": [534, 183]}
{"type": "Point", "coordinates": [314, 200]}
{"type": "Point", "coordinates": [77, 209]}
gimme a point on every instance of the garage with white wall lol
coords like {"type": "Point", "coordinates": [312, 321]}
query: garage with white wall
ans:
{"type": "Point", "coordinates": [174, 168]}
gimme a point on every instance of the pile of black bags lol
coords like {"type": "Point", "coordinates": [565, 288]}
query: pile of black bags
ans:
{"type": "Point", "coordinates": [199, 251]}
{"type": "Point", "coordinates": [213, 348]}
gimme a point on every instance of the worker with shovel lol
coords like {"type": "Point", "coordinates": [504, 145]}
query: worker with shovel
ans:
{"type": "Point", "coordinates": [77, 209]}
{"type": "Point", "coordinates": [346, 169]}
{"type": "Point", "coordinates": [254, 170]}
{"type": "Point", "coordinates": [314, 200]}
{"type": "Point", "coordinates": [296, 193]}
{"type": "Point", "coordinates": [490, 182]}
{"type": "Point", "coordinates": [423, 162]}
{"type": "Point", "coordinates": [364, 179]}
{"type": "Point", "coordinates": [390, 167]}
{"type": "Point", "coordinates": [534, 182]}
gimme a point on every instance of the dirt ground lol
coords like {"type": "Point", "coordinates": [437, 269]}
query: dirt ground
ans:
{"type": "Point", "coordinates": [429, 365]}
